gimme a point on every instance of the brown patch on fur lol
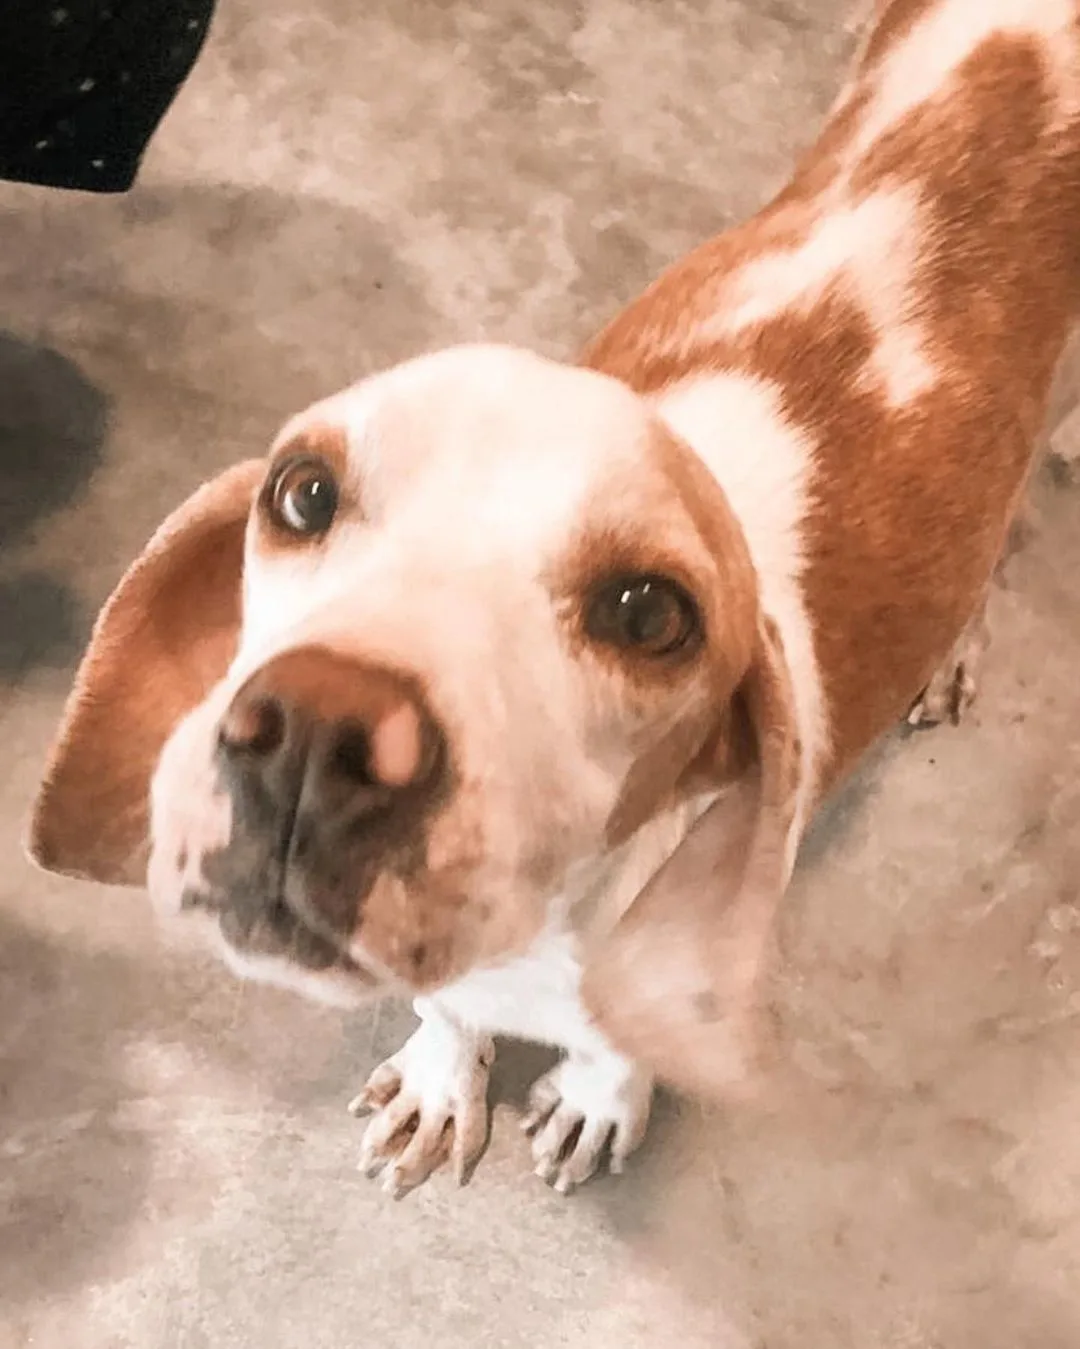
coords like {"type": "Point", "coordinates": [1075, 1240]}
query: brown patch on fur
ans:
{"type": "Point", "coordinates": [421, 946]}
{"type": "Point", "coordinates": [433, 927]}
{"type": "Point", "coordinates": [823, 164]}
{"type": "Point", "coordinates": [912, 504]}
{"type": "Point", "coordinates": [695, 285]}
{"type": "Point", "coordinates": [708, 744]}
{"type": "Point", "coordinates": [434, 924]}
{"type": "Point", "coordinates": [699, 282]}
{"type": "Point", "coordinates": [163, 639]}
{"type": "Point", "coordinates": [732, 607]}
{"type": "Point", "coordinates": [321, 440]}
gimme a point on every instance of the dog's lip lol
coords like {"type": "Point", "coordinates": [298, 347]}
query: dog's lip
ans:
{"type": "Point", "coordinates": [343, 962]}
{"type": "Point", "coordinates": [237, 934]}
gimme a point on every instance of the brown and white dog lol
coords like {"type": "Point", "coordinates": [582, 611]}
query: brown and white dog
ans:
{"type": "Point", "coordinates": [513, 685]}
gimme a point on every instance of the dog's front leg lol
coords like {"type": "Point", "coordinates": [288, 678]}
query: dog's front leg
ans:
{"type": "Point", "coordinates": [428, 1103]}
{"type": "Point", "coordinates": [592, 1104]}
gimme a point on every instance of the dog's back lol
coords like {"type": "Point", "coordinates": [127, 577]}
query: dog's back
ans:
{"type": "Point", "coordinates": [901, 307]}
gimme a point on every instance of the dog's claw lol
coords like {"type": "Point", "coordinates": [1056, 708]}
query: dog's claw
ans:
{"type": "Point", "coordinates": [582, 1112]}
{"type": "Point", "coordinates": [427, 1106]}
{"type": "Point", "coordinates": [953, 688]}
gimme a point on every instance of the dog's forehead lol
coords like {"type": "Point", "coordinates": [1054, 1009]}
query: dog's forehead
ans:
{"type": "Point", "coordinates": [491, 436]}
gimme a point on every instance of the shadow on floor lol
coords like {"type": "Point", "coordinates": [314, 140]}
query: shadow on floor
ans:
{"type": "Point", "coordinates": [232, 293]}
{"type": "Point", "coordinates": [52, 432]}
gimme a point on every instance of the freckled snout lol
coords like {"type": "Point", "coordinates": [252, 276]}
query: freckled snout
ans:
{"type": "Point", "coordinates": [333, 767]}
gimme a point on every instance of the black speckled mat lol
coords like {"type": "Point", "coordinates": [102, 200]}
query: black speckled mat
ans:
{"type": "Point", "coordinates": [85, 83]}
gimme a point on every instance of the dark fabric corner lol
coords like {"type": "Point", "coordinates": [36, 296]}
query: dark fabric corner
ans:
{"type": "Point", "coordinates": [84, 85]}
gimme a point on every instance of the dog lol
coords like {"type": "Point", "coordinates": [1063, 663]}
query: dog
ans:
{"type": "Point", "coordinates": [512, 685]}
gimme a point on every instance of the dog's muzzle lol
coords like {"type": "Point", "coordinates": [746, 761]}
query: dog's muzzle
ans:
{"type": "Point", "coordinates": [333, 768]}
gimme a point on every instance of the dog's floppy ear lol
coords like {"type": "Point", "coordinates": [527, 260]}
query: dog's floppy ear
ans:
{"type": "Point", "coordinates": [676, 984]}
{"type": "Point", "coordinates": [165, 636]}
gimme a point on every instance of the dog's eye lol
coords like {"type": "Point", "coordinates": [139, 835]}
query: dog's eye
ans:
{"type": "Point", "coordinates": [302, 496]}
{"type": "Point", "coordinates": [647, 614]}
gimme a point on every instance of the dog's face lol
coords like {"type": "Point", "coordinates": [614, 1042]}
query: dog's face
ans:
{"type": "Point", "coordinates": [494, 616]}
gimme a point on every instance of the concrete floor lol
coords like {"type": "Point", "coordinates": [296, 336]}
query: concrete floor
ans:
{"type": "Point", "coordinates": [341, 184]}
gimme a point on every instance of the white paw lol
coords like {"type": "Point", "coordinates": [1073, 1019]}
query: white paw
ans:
{"type": "Point", "coordinates": [581, 1109]}
{"type": "Point", "coordinates": [428, 1106]}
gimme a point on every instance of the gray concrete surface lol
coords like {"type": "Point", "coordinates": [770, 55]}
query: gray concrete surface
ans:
{"type": "Point", "coordinates": [343, 183]}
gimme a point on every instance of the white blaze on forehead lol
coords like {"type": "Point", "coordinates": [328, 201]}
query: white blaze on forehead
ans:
{"type": "Point", "coordinates": [494, 445]}
{"type": "Point", "coordinates": [918, 68]}
{"type": "Point", "coordinates": [472, 470]}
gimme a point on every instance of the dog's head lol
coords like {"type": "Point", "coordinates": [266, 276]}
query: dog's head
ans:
{"type": "Point", "coordinates": [372, 706]}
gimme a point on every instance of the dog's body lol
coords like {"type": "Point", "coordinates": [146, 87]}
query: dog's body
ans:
{"type": "Point", "coordinates": [901, 308]}
{"type": "Point", "coordinates": [816, 436]}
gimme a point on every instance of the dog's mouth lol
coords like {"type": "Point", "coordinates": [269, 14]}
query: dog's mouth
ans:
{"type": "Point", "coordinates": [282, 903]}
{"type": "Point", "coordinates": [271, 930]}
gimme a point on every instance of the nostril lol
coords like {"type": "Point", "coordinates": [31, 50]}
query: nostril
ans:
{"type": "Point", "coordinates": [351, 756]}
{"type": "Point", "coordinates": [254, 726]}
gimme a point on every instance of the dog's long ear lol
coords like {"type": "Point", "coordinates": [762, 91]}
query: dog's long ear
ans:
{"type": "Point", "coordinates": [165, 636]}
{"type": "Point", "coordinates": [677, 984]}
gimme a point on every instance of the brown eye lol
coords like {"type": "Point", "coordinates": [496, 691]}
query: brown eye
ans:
{"type": "Point", "coordinates": [650, 614]}
{"type": "Point", "coordinates": [302, 497]}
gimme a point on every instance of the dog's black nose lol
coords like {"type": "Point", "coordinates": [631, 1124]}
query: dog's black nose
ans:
{"type": "Point", "coordinates": [333, 764]}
